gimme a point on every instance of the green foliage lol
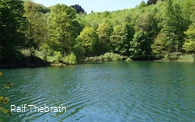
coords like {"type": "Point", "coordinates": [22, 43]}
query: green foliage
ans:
{"type": "Point", "coordinates": [112, 57]}
{"type": "Point", "coordinates": [116, 39]}
{"type": "Point", "coordinates": [186, 58]}
{"type": "Point", "coordinates": [71, 59]}
{"type": "Point", "coordinates": [4, 100]}
{"type": "Point", "coordinates": [104, 31]}
{"type": "Point", "coordinates": [142, 5]}
{"type": "Point", "coordinates": [189, 44]}
{"type": "Point", "coordinates": [159, 47]}
{"type": "Point", "coordinates": [63, 28]}
{"type": "Point", "coordinates": [179, 57]}
{"type": "Point", "coordinates": [35, 31]}
{"type": "Point", "coordinates": [174, 26]}
{"type": "Point", "coordinates": [140, 46]}
{"type": "Point", "coordinates": [106, 57]}
{"type": "Point", "coordinates": [42, 8]}
{"type": "Point", "coordinates": [88, 40]}
{"type": "Point", "coordinates": [12, 24]}
{"type": "Point", "coordinates": [26, 52]}
{"type": "Point", "coordinates": [120, 39]}
{"type": "Point", "coordinates": [144, 32]}
{"type": "Point", "coordinates": [188, 8]}
{"type": "Point", "coordinates": [59, 58]}
{"type": "Point", "coordinates": [79, 51]}
{"type": "Point", "coordinates": [171, 56]}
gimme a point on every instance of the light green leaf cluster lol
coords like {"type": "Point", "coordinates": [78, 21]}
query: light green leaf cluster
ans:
{"type": "Point", "coordinates": [63, 28]}
{"type": "Point", "coordinates": [71, 59]}
{"type": "Point", "coordinates": [189, 44]}
{"type": "Point", "coordinates": [4, 100]}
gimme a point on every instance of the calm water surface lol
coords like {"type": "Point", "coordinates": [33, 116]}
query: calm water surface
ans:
{"type": "Point", "coordinates": [109, 92]}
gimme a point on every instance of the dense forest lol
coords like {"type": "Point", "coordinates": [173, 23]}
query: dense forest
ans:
{"type": "Point", "coordinates": [156, 30]}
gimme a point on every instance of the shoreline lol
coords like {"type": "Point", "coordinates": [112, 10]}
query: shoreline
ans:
{"type": "Point", "coordinates": [16, 66]}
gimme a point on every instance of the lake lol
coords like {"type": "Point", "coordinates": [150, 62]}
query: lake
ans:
{"type": "Point", "coordinates": [107, 92]}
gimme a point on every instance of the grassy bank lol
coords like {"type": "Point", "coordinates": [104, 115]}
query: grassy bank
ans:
{"type": "Point", "coordinates": [107, 57]}
{"type": "Point", "coordinates": [56, 59]}
{"type": "Point", "coordinates": [175, 57]}
{"type": "Point", "coordinates": [23, 59]}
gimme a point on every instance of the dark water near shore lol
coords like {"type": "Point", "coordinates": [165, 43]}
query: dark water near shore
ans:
{"type": "Point", "coordinates": [109, 92]}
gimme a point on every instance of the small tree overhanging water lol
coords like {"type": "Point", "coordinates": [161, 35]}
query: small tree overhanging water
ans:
{"type": "Point", "coordinates": [4, 100]}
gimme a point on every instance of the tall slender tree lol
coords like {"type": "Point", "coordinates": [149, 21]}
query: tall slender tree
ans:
{"type": "Point", "coordinates": [63, 28]}
{"type": "Point", "coordinates": [35, 31]}
{"type": "Point", "coordinates": [104, 31]}
{"type": "Point", "coordinates": [88, 39]}
{"type": "Point", "coordinates": [12, 24]}
{"type": "Point", "coordinates": [174, 26]}
{"type": "Point", "coordinates": [120, 39]}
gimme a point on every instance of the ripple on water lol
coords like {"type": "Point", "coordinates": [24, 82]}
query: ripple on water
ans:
{"type": "Point", "coordinates": [136, 91]}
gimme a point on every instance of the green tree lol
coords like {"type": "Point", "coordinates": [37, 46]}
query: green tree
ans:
{"type": "Point", "coordinates": [42, 8]}
{"type": "Point", "coordinates": [79, 52]}
{"type": "Point", "coordinates": [156, 38]}
{"type": "Point", "coordinates": [44, 46]}
{"type": "Point", "coordinates": [142, 5]}
{"type": "Point", "coordinates": [188, 8]}
{"type": "Point", "coordinates": [160, 45]}
{"type": "Point", "coordinates": [174, 26]}
{"type": "Point", "coordinates": [63, 28]}
{"type": "Point", "coordinates": [189, 44]}
{"type": "Point", "coordinates": [88, 39]}
{"type": "Point", "coordinates": [11, 28]}
{"type": "Point", "coordinates": [104, 31]}
{"type": "Point", "coordinates": [140, 46]}
{"type": "Point", "coordinates": [35, 31]}
{"type": "Point", "coordinates": [120, 39]}
{"type": "Point", "coordinates": [117, 39]}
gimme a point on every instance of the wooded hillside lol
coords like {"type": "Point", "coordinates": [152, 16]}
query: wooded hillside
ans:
{"type": "Point", "coordinates": [152, 30]}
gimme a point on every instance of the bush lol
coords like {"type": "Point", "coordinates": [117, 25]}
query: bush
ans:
{"type": "Point", "coordinates": [186, 58]}
{"type": "Point", "coordinates": [46, 49]}
{"type": "Point", "coordinates": [171, 57]}
{"type": "Point", "coordinates": [59, 58]}
{"type": "Point", "coordinates": [25, 52]}
{"type": "Point", "coordinates": [112, 57]}
{"type": "Point", "coordinates": [106, 57]}
{"type": "Point", "coordinates": [71, 59]}
{"type": "Point", "coordinates": [78, 51]}
{"type": "Point", "coordinates": [4, 100]}
{"type": "Point", "coordinates": [128, 59]}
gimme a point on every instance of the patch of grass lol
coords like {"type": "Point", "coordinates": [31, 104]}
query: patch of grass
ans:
{"type": "Point", "coordinates": [186, 58]}
{"type": "Point", "coordinates": [171, 56]}
{"type": "Point", "coordinates": [179, 57]}
{"type": "Point", "coordinates": [54, 58]}
{"type": "Point", "coordinates": [57, 58]}
{"type": "Point", "coordinates": [105, 58]}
